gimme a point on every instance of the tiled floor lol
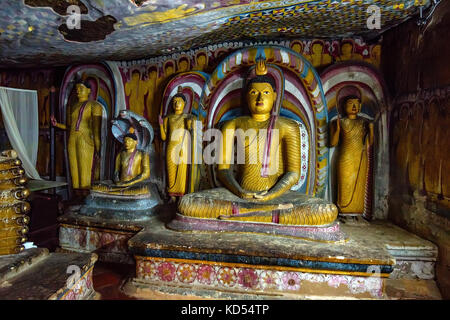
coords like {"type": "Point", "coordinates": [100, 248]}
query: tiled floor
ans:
{"type": "Point", "coordinates": [108, 279]}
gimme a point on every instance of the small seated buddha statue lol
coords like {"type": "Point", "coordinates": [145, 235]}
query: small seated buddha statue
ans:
{"type": "Point", "coordinates": [130, 195]}
{"type": "Point", "coordinates": [260, 191]}
{"type": "Point", "coordinates": [132, 170]}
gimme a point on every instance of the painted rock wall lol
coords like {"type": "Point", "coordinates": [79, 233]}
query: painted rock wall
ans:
{"type": "Point", "coordinates": [416, 67]}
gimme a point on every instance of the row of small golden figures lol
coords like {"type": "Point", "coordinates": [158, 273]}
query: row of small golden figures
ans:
{"type": "Point", "coordinates": [13, 204]}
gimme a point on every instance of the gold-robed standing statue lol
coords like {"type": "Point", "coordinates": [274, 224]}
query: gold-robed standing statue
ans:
{"type": "Point", "coordinates": [175, 130]}
{"type": "Point", "coordinates": [260, 191]}
{"type": "Point", "coordinates": [354, 136]}
{"type": "Point", "coordinates": [84, 122]}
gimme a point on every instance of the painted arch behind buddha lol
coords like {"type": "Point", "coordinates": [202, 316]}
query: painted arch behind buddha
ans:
{"type": "Point", "coordinates": [303, 101]}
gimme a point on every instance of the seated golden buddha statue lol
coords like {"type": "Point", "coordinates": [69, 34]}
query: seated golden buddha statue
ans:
{"type": "Point", "coordinates": [130, 195]}
{"type": "Point", "coordinates": [260, 191]}
{"type": "Point", "coordinates": [132, 168]}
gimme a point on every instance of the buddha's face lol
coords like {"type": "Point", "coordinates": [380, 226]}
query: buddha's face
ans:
{"type": "Point", "coordinates": [317, 48]}
{"type": "Point", "coordinates": [347, 49]}
{"type": "Point", "coordinates": [136, 77]}
{"type": "Point", "coordinates": [129, 143]}
{"type": "Point", "coordinates": [169, 70]}
{"type": "Point", "coordinates": [83, 92]}
{"type": "Point", "coordinates": [376, 51]}
{"type": "Point", "coordinates": [297, 48]}
{"type": "Point", "coordinates": [178, 105]}
{"type": "Point", "coordinates": [352, 106]}
{"type": "Point", "coordinates": [201, 61]}
{"type": "Point", "coordinates": [183, 66]}
{"type": "Point", "coordinates": [260, 98]}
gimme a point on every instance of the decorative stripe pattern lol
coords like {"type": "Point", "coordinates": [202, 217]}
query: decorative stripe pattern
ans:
{"type": "Point", "coordinates": [247, 279]}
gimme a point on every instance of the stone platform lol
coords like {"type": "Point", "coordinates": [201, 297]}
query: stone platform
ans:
{"type": "Point", "coordinates": [377, 261]}
{"type": "Point", "coordinates": [122, 207]}
{"type": "Point", "coordinates": [107, 237]}
{"type": "Point", "coordinates": [258, 266]}
{"type": "Point", "coordinates": [36, 274]}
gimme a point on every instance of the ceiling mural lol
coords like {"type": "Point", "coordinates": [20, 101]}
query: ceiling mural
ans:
{"type": "Point", "coordinates": [41, 31]}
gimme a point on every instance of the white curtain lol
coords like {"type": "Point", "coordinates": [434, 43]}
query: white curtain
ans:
{"type": "Point", "coordinates": [20, 118]}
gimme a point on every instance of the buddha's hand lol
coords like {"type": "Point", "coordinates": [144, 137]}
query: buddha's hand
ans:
{"type": "Point", "coordinates": [123, 183]}
{"type": "Point", "coordinates": [245, 194]}
{"type": "Point", "coordinates": [161, 121]}
{"type": "Point", "coordinates": [260, 195]}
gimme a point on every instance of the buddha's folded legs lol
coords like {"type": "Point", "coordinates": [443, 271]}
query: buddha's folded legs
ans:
{"type": "Point", "coordinates": [291, 208]}
{"type": "Point", "coordinates": [108, 187]}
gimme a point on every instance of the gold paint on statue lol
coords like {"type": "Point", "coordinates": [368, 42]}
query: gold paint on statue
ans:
{"type": "Point", "coordinates": [354, 138]}
{"type": "Point", "coordinates": [84, 121]}
{"type": "Point", "coordinates": [255, 194]}
{"type": "Point", "coordinates": [132, 168]}
{"type": "Point", "coordinates": [174, 128]}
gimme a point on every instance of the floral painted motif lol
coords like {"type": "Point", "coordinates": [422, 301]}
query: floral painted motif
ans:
{"type": "Point", "coordinates": [89, 280]}
{"type": "Point", "coordinates": [186, 273]}
{"type": "Point", "coordinates": [227, 276]}
{"type": "Point", "coordinates": [147, 269]}
{"type": "Point", "coordinates": [290, 281]}
{"type": "Point", "coordinates": [90, 240]}
{"type": "Point", "coordinates": [166, 271]}
{"type": "Point", "coordinates": [269, 280]}
{"type": "Point", "coordinates": [361, 285]}
{"type": "Point", "coordinates": [106, 239]}
{"type": "Point", "coordinates": [336, 280]}
{"type": "Point", "coordinates": [81, 289]}
{"type": "Point", "coordinates": [248, 278]}
{"type": "Point", "coordinates": [206, 274]}
{"type": "Point", "coordinates": [218, 277]}
{"type": "Point", "coordinates": [70, 296]}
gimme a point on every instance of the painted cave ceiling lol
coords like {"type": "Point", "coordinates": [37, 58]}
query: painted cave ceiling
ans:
{"type": "Point", "coordinates": [36, 31]}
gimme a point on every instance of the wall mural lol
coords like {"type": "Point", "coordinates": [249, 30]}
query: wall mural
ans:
{"type": "Point", "coordinates": [420, 144]}
{"type": "Point", "coordinates": [144, 80]}
{"type": "Point", "coordinates": [136, 29]}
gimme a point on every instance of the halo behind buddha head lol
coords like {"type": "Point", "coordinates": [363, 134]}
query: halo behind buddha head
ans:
{"type": "Point", "coordinates": [132, 125]}
{"type": "Point", "coordinates": [345, 93]}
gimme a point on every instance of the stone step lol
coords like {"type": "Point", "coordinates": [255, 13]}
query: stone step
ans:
{"type": "Point", "coordinates": [36, 274]}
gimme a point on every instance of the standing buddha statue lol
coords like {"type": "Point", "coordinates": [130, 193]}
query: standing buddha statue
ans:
{"type": "Point", "coordinates": [84, 121]}
{"type": "Point", "coordinates": [354, 135]}
{"type": "Point", "coordinates": [175, 129]}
